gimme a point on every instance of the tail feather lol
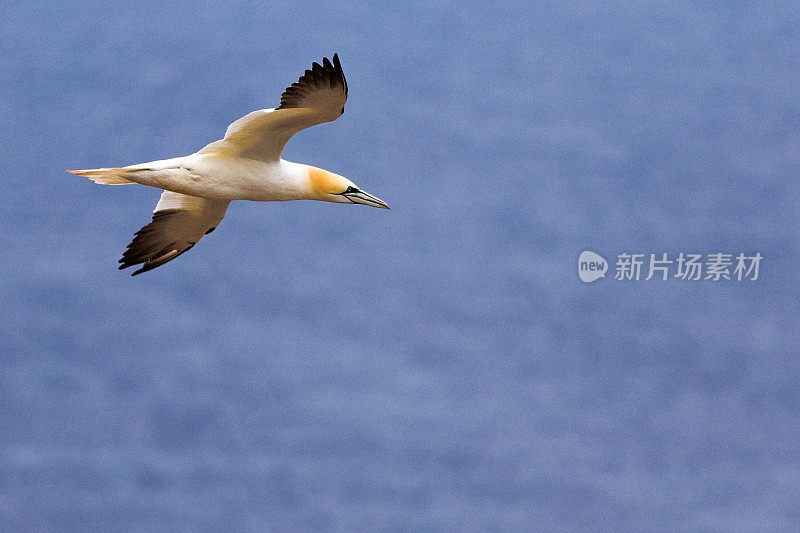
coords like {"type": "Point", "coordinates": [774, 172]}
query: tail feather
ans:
{"type": "Point", "coordinates": [104, 176]}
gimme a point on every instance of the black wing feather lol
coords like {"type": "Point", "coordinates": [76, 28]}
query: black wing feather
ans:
{"type": "Point", "coordinates": [151, 244]}
{"type": "Point", "coordinates": [326, 76]}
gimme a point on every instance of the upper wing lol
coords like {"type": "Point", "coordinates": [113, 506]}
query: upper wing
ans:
{"type": "Point", "coordinates": [318, 96]}
{"type": "Point", "coordinates": [179, 221]}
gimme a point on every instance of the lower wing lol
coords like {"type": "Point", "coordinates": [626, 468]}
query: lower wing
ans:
{"type": "Point", "coordinates": [179, 221]}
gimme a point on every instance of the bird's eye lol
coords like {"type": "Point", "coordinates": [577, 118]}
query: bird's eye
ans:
{"type": "Point", "coordinates": [350, 189]}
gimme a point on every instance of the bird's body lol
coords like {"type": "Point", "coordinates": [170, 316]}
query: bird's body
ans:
{"type": "Point", "coordinates": [221, 177]}
{"type": "Point", "coordinates": [245, 165]}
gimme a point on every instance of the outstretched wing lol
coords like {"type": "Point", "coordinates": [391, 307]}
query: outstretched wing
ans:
{"type": "Point", "coordinates": [179, 221]}
{"type": "Point", "coordinates": [318, 96]}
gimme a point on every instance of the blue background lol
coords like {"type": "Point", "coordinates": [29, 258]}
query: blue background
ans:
{"type": "Point", "coordinates": [440, 365]}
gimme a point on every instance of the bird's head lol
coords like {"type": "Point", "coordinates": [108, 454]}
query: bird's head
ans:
{"type": "Point", "coordinates": [330, 187]}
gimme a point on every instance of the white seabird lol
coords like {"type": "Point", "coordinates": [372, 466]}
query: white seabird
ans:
{"type": "Point", "coordinates": [245, 165]}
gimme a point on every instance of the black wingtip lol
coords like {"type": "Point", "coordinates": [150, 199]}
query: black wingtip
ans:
{"type": "Point", "coordinates": [327, 75]}
{"type": "Point", "coordinates": [149, 245]}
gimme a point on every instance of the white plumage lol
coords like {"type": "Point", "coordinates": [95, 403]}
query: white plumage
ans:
{"type": "Point", "coordinates": [244, 165]}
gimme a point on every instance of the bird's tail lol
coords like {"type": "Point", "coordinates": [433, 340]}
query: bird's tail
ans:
{"type": "Point", "coordinates": [104, 176]}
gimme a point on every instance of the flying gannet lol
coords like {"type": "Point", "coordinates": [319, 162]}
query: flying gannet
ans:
{"type": "Point", "coordinates": [245, 165]}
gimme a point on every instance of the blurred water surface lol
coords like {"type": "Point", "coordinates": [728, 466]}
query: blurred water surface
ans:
{"type": "Point", "coordinates": [440, 365]}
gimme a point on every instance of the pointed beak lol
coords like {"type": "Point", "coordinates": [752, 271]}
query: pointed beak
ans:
{"type": "Point", "coordinates": [361, 197]}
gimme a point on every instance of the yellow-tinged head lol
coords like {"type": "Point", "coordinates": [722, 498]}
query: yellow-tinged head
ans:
{"type": "Point", "coordinates": [330, 187]}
